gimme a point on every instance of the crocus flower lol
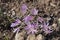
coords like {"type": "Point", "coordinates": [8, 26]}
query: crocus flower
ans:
{"type": "Point", "coordinates": [34, 11]}
{"type": "Point", "coordinates": [30, 28]}
{"type": "Point", "coordinates": [28, 18]}
{"type": "Point", "coordinates": [47, 28]}
{"type": "Point", "coordinates": [24, 8]}
{"type": "Point", "coordinates": [16, 23]}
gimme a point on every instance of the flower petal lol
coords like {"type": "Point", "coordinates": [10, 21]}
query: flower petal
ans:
{"type": "Point", "coordinates": [23, 8]}
{"type": "Point", "coordinates": [28, 18]}
{"type": "Point", "coordinates": [40, 19]}
{"type": "Point", "coordinates": [34, 11]}
{"type": "Point", "coordinates": [16, 23]}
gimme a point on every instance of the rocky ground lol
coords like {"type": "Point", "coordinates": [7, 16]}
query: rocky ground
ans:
{"type": "Point", "coordinates": [47, 10]}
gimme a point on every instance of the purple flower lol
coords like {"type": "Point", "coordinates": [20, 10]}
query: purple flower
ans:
{"type": "Point", "coordinates": [47, 29]}
{"type": "Point", "coordinates": [28, 18]}
{"type": "Point", "coordinates": [34, 11]}
{"type": "Point", "coordinates": [24, 8]}
{"type": "Point", "coordinates": [16, 23]}
{"type": "Point", "coordinates": [30, 28]}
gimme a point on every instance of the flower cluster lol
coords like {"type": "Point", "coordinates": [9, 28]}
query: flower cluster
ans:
{"type": "Point", "coordinates": [31, 27]}
{"type": "Point", "coordinates": [45, 25]}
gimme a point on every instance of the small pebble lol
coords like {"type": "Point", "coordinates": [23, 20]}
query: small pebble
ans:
{"type": "Point", "coordinates": [13, 13]}
{"type": "Point", "coordinates": [59, 20]}
{"type": "Point", "coordinates": [20, 36]}
{"type": "Point", "coordinates": [31, 37]}
{"type": "Point", "coordinates": [39, 37]}
{"type": "Point", "coordinates": [54, 25]}
{"type": "Point", "coordinates": [5, 13]}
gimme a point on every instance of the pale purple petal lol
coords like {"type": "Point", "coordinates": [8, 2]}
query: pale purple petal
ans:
{"type": "Point", "coordinates": [16, 23]}
{"type": "Point", "coordinates": [34, 11]}
{"type": "Point", "coordinates": [35, 24]}
{"type": "Point", "coordinates": [28, 18]}
{"type": "Point", "coordinates": [40, 19]}
{"type": "Point", "coordinates": [13, 25]}
{"type": "Point", "coordinates": [24, 8]}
